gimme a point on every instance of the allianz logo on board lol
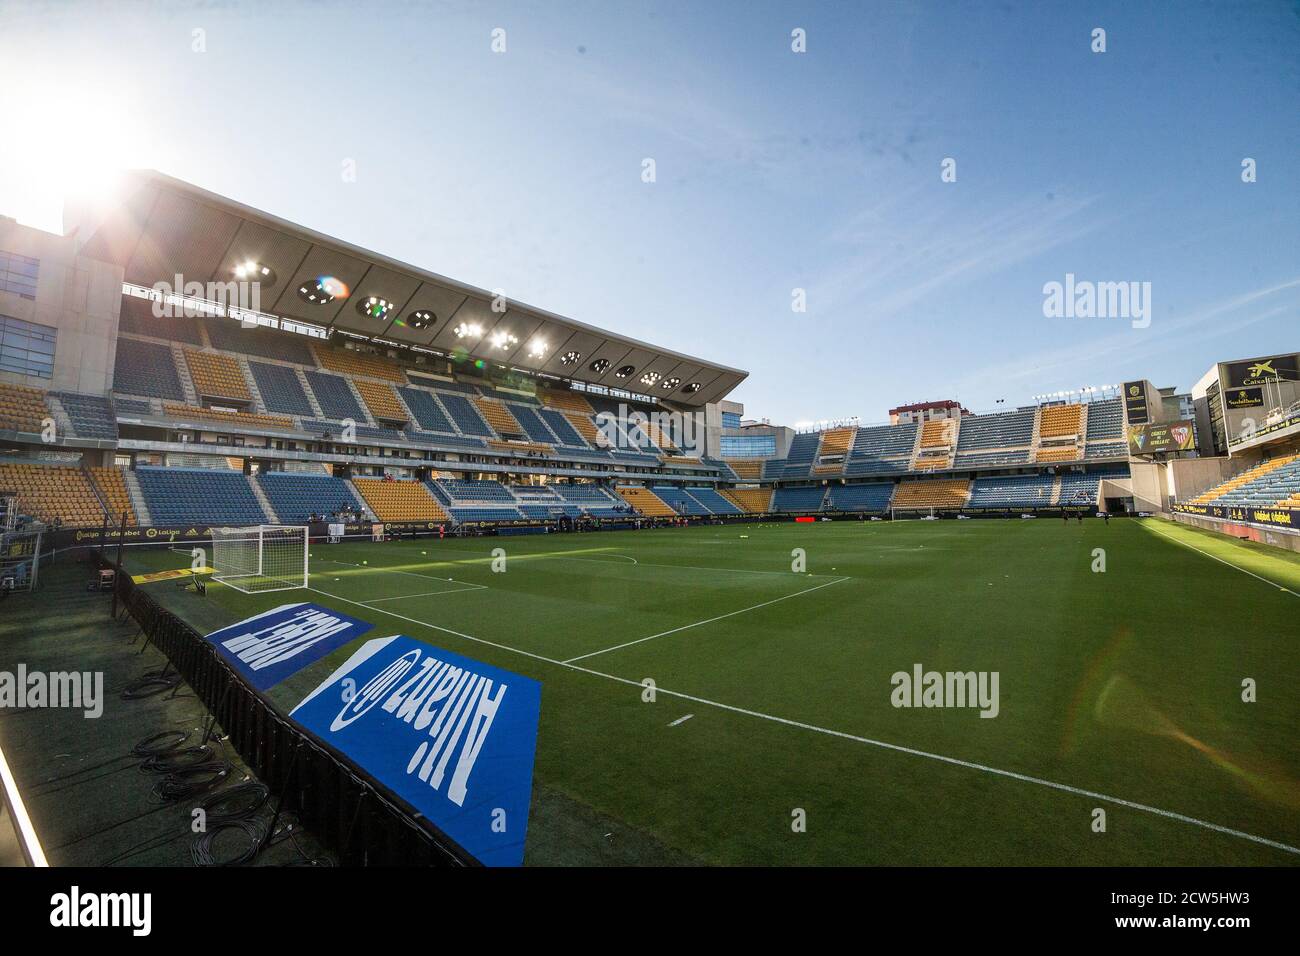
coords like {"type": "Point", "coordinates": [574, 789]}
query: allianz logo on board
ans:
{"type": "Point", "coordinates": [447, 705]}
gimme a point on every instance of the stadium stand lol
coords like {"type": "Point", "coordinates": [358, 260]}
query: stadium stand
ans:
{"type": "Point", "coordinates": [798, 499]}
{"type": "Point", "coordinates": [52, 493]}
{"type": "Point", "coordinates": [1105, 421]}
{"type": "Point", "coordinates": [532, 424]}
{"type": "Point", "coordinates": [947, 493]}
{"type": "Point", "coordinates": [146, 368]}
{"type": "Point", "coordinates": [713, 501]}
{"type": "Point", "coordinates": [498, 416]}
{"type": "Point", "coordinates": [280, 389]}
{"type": "Point", "coordinates": [296, 496]}
{"type": "Point", "coordinates": [565, 401]}
{"type": "Point", "coordinates": [1107, 450]}
{"type": "Point", "coordinates": [1063, 453]}
{"type": "Point", "coordinates": [871, 498]}
{"type": "Point", "coordinates": [595, 500]}
{"type": "Point", "coordinates": [216, 375]}
{"type": "Point", "coordinates": [746, 469]}
{"type": "Point", "coordinates": [1266, 485]}
{"type": "Point", "coordinates": [132, 406]}
{"type": "Point", "coordinates": [22, 409]}
{"type": "Point", "coordinates": [1012, 491]}
{"type": "Point", "coordinates": [884, 441]}
{"type": "Point", "coordinates": [465, 415]}
{"type": "Point", "coordinates": [1002, 430]}
{"type": "Point", "coordinates": [645, 501]}
{"type": "Point", "coordinates": [111, 485]}
{"type": "Point", "coordinates": [563, 429]}
{"type": "Point", "coordinates": [137, 318]}
{"type": "Point", "coordinates": [677, 499]}
{"type": "Point", "coordinates": [586, 427]}
{"type": "Point", "coordinates": [750, 500]}
{"type": "Point", "coordinates": [1057, 421]}
{"type": "Point", "coordinates": [91, 415]}
{"type": "Point", "coordinates": [352, 363]}
{"type": "Point", "coordinates": [991, 459]}
{"type": "Point", "coordinates": [181, 496]}
{"type": "Point", "coordinates": [428, 412]}
{"type": "Point", "coordinates": [229, 336]}
{"type": "Point", "coordinates": [334, 396]}
{"type": "Point", "coordinates": [241, 419]}
{"type": "Point", "coordinates": [803, 448]}
{"type": "Point", "coordinates": [477, 501]}
{"type": "Point", "coordinates": [382, 402]}
{"type": "Point", "coordinates": [399, 500]}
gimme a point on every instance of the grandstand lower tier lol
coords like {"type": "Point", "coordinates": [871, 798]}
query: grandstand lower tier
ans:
{"type": "Point", "coordinates": [173, 496]}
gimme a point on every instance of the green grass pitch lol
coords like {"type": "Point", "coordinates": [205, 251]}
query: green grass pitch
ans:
{"type": "Point", "coordinates": [1119, 690]}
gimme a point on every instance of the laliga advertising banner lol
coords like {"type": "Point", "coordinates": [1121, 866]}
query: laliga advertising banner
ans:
{"type": "Point", "coordinates": [278, 643]}
{"type": "Point", "coordinates": [451, 736]}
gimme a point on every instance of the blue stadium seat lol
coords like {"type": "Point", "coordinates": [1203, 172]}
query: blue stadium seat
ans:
{"type": "Point", "coordinates": [188, 496]}
{"type": "Point", "coordinates": [137, 318]}
{"type": "Point", "coordinates": [465, 415]}
{"type": "Point", "coordinates": [1000, 430]}
{"type": "Point", "coordinates": [805, 499]}
{"type": "Point", "coordinates": [91, 415]}
{"type": "Point", "coordinates": [295, 496]}
{"type": "Point", "coordinates": [335, 397]}
{"type": "Point", "coordinates": [872, 498]}
{"type": "Point", "coordinates": [146, 368]}
{"type": "Point", "coordinates": [426, 409]}
{"type": "Point", "coordinates": [1012, 491]}
{"type": "Point", "coordinates": [230, 336]}
{"type": "Point", "coordinates": [280, 388]}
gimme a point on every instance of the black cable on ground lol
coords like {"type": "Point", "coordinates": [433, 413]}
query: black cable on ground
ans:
{"type": "Point", "coordinates": [191, 781]}
{"type": "Point", "coordinates": [160, 743]}
{"type": "Point", "coordinates": [150, 684]}
{"type": "Point", "coordinates": [235, 803]}
{"type": "Point", "coordinates": [201, 851]}
{"type": "Point", "coordinates": [180, 759]}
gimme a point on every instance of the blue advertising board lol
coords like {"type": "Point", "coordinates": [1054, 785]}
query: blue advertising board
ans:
{"type": "Point", "coordinates": [277, 643]}
{"type": "Point", "coordinates": [452, 736]}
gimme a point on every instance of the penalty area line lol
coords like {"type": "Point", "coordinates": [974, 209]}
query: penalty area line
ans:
{"type": "Point", "coordinates": [720, 617]}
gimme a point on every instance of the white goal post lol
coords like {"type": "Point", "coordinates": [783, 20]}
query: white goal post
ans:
{"type": "Point", "coordinates": [260, 557]}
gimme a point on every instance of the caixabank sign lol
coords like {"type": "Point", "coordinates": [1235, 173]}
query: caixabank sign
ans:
{"type": "Point", "coordinates": [451, 736]}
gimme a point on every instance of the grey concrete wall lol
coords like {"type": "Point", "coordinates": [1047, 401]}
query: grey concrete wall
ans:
{"type": "Point", "coordinates": [80, 298]}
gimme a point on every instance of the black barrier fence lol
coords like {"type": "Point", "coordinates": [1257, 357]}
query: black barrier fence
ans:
{"type": "Point", "coordinates": [354, 816]}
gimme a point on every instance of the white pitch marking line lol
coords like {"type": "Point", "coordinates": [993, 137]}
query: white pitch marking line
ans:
{"type": "Point", "coordinates": [898, 748]}
{"type": "Point", "coordinates": [407, 597]}
{"type": "Point", "coordinates": [681, 720]}
{"type": "Point", "coordinates": [1284, 590]}
{"type": "Point", "coordinates": [687, 627]}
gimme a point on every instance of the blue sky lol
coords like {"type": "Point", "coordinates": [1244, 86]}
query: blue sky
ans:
{"type": "Point", "coordinates": [775, 170]}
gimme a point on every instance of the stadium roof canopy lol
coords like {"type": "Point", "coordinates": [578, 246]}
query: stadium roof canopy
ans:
{"type": "Point", "coordinates": [158, 228]}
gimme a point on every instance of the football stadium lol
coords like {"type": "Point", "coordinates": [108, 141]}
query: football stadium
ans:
{"type": "Point", "coordinates": [657, 455]}
{"type": "Point", "coordinates": [684, 613]}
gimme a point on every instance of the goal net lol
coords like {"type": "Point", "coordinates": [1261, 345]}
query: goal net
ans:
{"type": "Point", "coordinates": [260, 558]}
